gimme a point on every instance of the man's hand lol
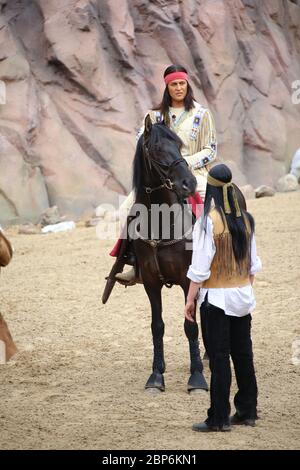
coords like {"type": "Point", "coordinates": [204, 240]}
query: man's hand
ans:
{"type": "Point", "coordinates": [189, 310]}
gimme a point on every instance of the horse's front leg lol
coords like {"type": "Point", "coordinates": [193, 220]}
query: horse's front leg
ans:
{"type": "Point", "coordinates": [197, 380]}
{"type": "Point", "coordinates": [156, 379]}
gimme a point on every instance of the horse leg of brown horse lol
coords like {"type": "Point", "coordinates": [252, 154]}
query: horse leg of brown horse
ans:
{"type": "Point", "coordinates": [197, 380]}
{"type": "Point", "coordinates": [156, 379]}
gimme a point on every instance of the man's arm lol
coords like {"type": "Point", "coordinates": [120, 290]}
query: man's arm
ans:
{"type": "Point", "coordinates": [189, 311]}
{"type": "Point", "coordinates": [206, 143]}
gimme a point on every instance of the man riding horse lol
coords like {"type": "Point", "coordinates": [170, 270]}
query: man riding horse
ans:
{"type": "Point", "coordinates": [194, 125]}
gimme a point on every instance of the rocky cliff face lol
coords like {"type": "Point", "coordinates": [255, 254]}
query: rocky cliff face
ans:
{"type": "Point", "coordinates": [80, 74]}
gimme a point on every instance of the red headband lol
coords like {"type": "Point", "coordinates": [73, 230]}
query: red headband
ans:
{"type": "Point", "coordinates": [176, 76]}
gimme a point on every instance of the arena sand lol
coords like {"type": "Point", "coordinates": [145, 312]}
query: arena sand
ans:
{"type": "Point", "coordinates": [78, 379]}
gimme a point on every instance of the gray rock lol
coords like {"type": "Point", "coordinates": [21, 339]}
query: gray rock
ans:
{"type": "Point", "coordinates": [264, 191]}
{"type": "Point", "coordinates": [50, 217]}
{"type": "Point", "coordinates": [287, 183]}
{"type": "Point", "coordinates": [93, 222]}
{"type": "Point", "coordinates": [100, 211]}
{"type": "Point", "coordinates": [29, 229]}
{"type": "Point", "coordinates": [81, 75]}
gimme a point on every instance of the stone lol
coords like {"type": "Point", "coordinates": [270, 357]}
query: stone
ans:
{"type": "Point", "coordinates": [287, 183]}
{"type": "Point", "coordinates": [50, 216]}
{"type": "Point", "coordinates": [29, 229]}
{"type": "Point", "coordinates": [264, 191]}
{"type": "Point", "coordinates": [80, 76]}
{"type": "Point", "coordinates": [295, 361]}
{"type": "Point", "coordinates": [93, 222]}
{"type": "Point", "coordinates": [100, 211]}
{"type": "Point", "coordinates": [296, 352]}
{"type": "Point", "coordinates": [295, 344]}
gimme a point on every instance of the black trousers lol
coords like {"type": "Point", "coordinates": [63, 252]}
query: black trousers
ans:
{"type": "Point", "coordinates": [226, 336]}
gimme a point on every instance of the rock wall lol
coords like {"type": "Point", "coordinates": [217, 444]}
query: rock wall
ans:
{"type": "Point", "coordinates": [80, 74]}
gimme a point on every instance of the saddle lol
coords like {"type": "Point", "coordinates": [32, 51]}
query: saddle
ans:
{"type": "Point", "coordinates": [125, 254]}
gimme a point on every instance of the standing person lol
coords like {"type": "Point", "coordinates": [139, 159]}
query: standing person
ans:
{"type": "Point", "coordinates": [193, 123]}
{"type": "Point", "coordinates": [223, 265]}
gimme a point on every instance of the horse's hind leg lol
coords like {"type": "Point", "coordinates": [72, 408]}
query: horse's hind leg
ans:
{"type": "Point", "coordinates": [156, 379]}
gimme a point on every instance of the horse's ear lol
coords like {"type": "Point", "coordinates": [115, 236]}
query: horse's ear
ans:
{"type": "Point", "coordinates": [147, 125]}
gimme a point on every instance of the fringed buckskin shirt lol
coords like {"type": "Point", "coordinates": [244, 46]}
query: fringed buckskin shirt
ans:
{"type": "Point", "coordinates": [196, 129]}
{"type": "Point", "coordinates": [235, 301]}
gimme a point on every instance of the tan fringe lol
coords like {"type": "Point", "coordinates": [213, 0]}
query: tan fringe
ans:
{"type": "Point", "coordinates": [224, 262]}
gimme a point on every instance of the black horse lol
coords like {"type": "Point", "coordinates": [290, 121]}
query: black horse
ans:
{"type": "Point", "coordinates": [161, 178]}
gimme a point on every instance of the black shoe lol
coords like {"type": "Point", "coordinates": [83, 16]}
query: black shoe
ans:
{"type": "Point", "coordinates": [237, 420]}
{"type": "Point", "coordinates": [204, 427]}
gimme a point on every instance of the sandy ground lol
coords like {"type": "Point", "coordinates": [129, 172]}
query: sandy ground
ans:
{"type": "Point", "coordinates": [78, 379]}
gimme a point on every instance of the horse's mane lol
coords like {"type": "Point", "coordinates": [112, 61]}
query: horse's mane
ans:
{"type": "Point", "coordinates": [158, 131]}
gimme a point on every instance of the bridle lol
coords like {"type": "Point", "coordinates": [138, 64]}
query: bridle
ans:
{"type": "Point", "coordinates": [163, 170]}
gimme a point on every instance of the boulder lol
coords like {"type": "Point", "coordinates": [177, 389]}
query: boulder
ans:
{"type": "Point", "coordinates": [50, 216]}
{"type": "Point", "coordinates": [29, 229]}
{"type": "Point", "coordinates": [93, 222]}
{"type": "Point", "coordinates": [80, 76]}
{"type": "Point", "coordinates": [264, 191]}
{"type": "Point", "coordinates": [287, 183]}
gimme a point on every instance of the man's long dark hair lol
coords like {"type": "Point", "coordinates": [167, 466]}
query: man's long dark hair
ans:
{"type": "Point", "coordinates": [167, 100]}
{"type": "Point", "coordinates": [236, 225]}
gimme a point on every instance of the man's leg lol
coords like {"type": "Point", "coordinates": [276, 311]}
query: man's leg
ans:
{"type": "Point", "coordinates": [201, 185]}
{"type": "Point", "coordinates": [128, 277]}
{"type": "Point", "coordinates": [245, 399]}
{"type": "Point", "coordinates": [217, 337]}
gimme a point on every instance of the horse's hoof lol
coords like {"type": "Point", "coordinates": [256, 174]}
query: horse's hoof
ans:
{"type": "Point", "coordinates": [197, 381]}
{"type": "Point", "coordinates": [196, 391]}
{"type": "Point", "coordinates": [153, 391]}
{"type": "Point", "coordinates": [156, 380]}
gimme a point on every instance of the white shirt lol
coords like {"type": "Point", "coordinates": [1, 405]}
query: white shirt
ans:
{"type": "Point", "coordinates": [235, 301]}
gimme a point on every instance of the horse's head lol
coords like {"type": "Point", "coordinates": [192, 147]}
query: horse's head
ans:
{"type": "Point", "coordinates": [158, 162]}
